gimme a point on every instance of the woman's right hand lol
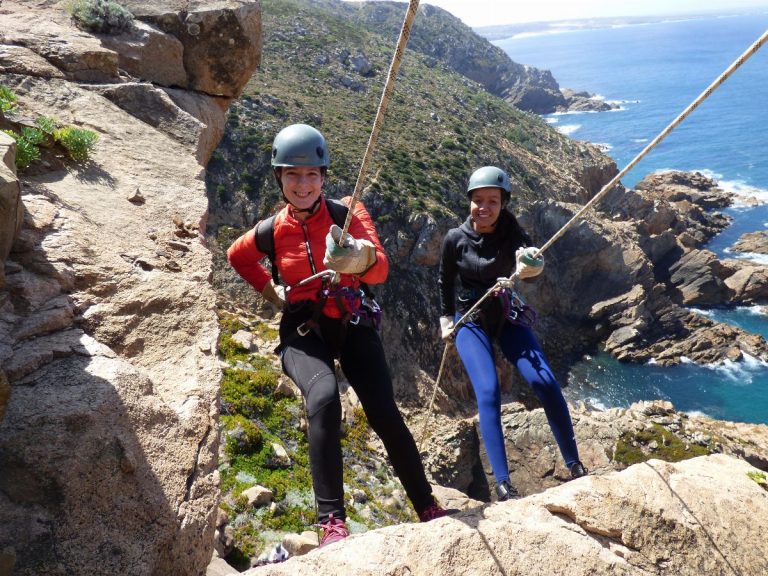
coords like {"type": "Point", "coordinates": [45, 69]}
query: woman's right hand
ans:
{"type": "Point", "coordinates": [446, 327]}
{"type": "Point", "coordinates": [274, 293]}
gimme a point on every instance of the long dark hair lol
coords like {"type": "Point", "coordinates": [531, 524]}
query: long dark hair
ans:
{"type": "Point", "coordinates": [511, 230]}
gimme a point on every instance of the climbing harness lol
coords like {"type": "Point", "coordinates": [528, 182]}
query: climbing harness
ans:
{"type": "Point", "coordinates": [514, 309]}
{"type": "Point", "coordinates": [357, 307]}
{"type": "Point", "coordinates": [506, 305]}
{"type": "Point", "coordinates": [748, 53]}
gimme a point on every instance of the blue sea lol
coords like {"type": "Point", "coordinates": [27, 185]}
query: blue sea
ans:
{"type": "Point", "coordinates": [653, 71]}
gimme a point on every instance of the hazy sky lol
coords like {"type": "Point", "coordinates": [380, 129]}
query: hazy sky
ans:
{"type": "Point", "coordinates": [487, 12]}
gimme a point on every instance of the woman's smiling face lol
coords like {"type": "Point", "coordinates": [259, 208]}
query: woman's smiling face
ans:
{"type": "Point", "coordinates": [484, 207]}
{"type": "Point", "coordinates": [302, 185]}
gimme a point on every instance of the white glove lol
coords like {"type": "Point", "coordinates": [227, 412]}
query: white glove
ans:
{"type": "Point", "coordinates": [527, 265]}
{"type": "Point", "coordinates": [505, 282]}
{"type": "Point", "coordinates": [354, 257]}
{"type": "Point", "coordinates": [274, 293]}
{"type": "Point", "coordinates": [446, 326]}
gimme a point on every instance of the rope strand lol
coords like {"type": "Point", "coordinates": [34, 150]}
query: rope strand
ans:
{"type": "Point", "coordinates": [389, 85]}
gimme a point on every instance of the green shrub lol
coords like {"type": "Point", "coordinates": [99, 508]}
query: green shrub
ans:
{"type": "Point", "coordinates": [46, 124]}
{"type": "Point", "coordinates": [7, 99]}
{"type": "Point", "coordinates": [33, 135]}
{"type": "Point", "coordinates": [230, 350]}
{"type": "Point", "coordinates": [78, 142]}
{"type": "Point", "coordinates": [242, 435]}
{"type": "Point", "coordinates": [246, 392]}
{"type": "Point", "coordinates": [102, 16]}
{"type": "Point", "coordinates": [632, 448]}
{"type": "Point", "coordinates": [26, 147]}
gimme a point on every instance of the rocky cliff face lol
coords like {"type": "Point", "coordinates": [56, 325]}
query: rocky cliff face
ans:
{"type": "Point", "coordinates": [701, 516]}
{"type": "Point", "coordinates": [107, 329]}
{"type": "Point", "coordinates": [446, 40]}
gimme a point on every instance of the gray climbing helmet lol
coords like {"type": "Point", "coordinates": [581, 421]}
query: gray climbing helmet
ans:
{"type": "Point", "coordinates": [299, 145]}
{"type": "Point", "coordinates": [489, 176]}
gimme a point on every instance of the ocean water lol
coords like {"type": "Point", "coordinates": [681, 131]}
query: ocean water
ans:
{"type": "Point", "coordinates": [653, 71]}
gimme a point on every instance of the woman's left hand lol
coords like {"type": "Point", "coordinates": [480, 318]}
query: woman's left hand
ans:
{"type": "Point", "coordinates": [528, 266]}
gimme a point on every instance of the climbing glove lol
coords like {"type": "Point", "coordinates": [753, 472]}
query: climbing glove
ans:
{"type": "Point", "coordinates": [354, 257]}
{"type": "Point", "coordinates": [446, 325]}
{"type": "Point", "coordinates": [274, 293]}
{"type": "Point", "coordinates": [527, 265]}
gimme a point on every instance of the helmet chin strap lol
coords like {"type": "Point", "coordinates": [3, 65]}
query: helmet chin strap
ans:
{"type": "Point", "coordinates": [310, 210]}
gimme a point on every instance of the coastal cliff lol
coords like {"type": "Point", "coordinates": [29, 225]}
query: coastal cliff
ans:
{"type": "Point", "coordinates": [108, 448]}
{"type": "Point", "coordinates": [121, 446]}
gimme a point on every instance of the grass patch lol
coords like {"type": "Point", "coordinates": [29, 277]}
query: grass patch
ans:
{"type": "Point", "coordinates": [78, 142]}
{"type": "Point", "coordinates": [760, 478]}
{"type": "Point", "coordinates": [246, 392]}
{"type": "Point", "coordinates": [7, 99]}
{"type": "Point", "coordinates": [101, 16]}
{"type": "Point", "coordinates": [27, 150]}
{"type": "Point", "coordinates": [654, 442]}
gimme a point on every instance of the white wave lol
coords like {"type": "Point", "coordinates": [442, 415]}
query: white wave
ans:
{"type": "Point", "coordinates": [697, 413]}
{"type": "Point", "coordinates": [740, 372]}
{"type": "Point", "coordinates": [739, 188]}
{"type": "Point", "coordinates": [733, 371]}
{"type": "Point", "coordinates": [747, 196]}
{"type": "Point", "coordinates": [551, 120]}
{"type": "Point", "coordinates": [568, 129]}
{"type": "Point", "coordinates": [700, 312]}
{"type": "Point", "coordinates": [755, 257]}
{"type": "Point", "coordinates": [597, 404]}
{"type": "Point", "coordinates": [754, 363]}
{"type": "Point", "coordinates": [573, 112]}
{"type": "Point", "coordinates": [639, 140]}
{"type": "Point", "coordinates": [756, 310]}
{"type": "Point", "coordinates": [548, 32]}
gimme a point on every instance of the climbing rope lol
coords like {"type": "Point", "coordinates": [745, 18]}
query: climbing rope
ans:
{"type": "Point", "coordinates": [748, 53]}
{"type": "Point", "coordinates": [389, 85]}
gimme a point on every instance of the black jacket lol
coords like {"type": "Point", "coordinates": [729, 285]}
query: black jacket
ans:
{"type": "Point", "coordinates": [477, 259]}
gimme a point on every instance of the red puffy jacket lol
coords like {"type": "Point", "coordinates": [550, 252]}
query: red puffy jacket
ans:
{"type": "Point", "coordinates": [299, 252]}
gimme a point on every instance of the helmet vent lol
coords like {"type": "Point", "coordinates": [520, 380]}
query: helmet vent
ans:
{"type": "Point", "coordinates": [320, 152]}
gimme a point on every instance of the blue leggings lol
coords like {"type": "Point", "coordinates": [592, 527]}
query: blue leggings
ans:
{"type": "Point", "coordinates": [520, 347]}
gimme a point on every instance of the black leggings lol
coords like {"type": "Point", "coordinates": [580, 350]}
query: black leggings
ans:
{"type": "Point", "coordinates": [308, 361]}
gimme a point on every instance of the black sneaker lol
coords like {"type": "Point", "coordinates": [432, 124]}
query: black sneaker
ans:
{"type": "Point", "coordinates": [505, 491]}
{"type": "Point", "coordinates": [578, 470]}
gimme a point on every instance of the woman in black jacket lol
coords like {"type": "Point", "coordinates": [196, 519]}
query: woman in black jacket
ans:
{"type": "Point", "coordinates": [487, 247]}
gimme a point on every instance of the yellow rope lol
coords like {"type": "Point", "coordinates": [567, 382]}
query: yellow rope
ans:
{"type": "Point", "coordinates": [389, 85]}
{"type": "Point", "coordinates": [749, 52]}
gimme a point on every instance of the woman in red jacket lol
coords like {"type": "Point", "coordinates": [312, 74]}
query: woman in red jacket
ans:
{"type": "Point", "coordinates": [327, 318]}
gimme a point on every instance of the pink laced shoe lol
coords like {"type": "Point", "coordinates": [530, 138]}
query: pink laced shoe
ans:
{"type": "Point", "coordinates": [433, 511]}
{"type": "Point", "coordinates": [333, 531]}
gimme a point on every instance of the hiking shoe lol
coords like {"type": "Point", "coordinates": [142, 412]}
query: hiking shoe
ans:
{"type": "Point", "coordinates": [434, 511]}
{"type": "Point", "coordinates": [505, 491]}
{"type": "Point", "coordinates": [578, 470]}
{"type": "Point", "coordinates": [333, 531]}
